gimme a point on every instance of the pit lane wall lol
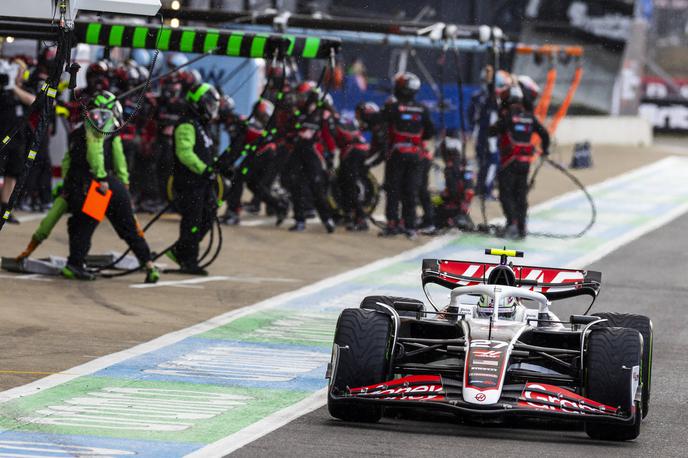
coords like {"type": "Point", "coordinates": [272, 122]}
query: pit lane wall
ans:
{"type": "Point", "coordinates": [605, 130]}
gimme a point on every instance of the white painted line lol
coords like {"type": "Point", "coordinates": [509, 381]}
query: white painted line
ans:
{"type": "Point", "coordinates": [263, 427]}
{"type": "Point", "coordinates": [311, 403]}
{"type": "Point", "coordinates": [257, 222]}
{"type": "Point", "coordinates": [30, 217]}
{"type": "Point", "coordinates": [193, 282]}
{"type": "Point", "coordinates": [33, 277]}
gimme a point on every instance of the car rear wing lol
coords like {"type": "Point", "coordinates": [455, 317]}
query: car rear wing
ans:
{"type": "Point", "coordinates": [554, 283]}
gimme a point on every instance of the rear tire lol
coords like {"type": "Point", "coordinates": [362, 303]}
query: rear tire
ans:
{"type": "Point", "coordinates": [611, 353]}
{"type": "Point", "coordinates": [366, 333]}
{"type": "Point", "coordinates": [643, 325]}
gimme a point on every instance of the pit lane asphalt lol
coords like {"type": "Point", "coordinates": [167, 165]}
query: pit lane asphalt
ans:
{"type": "Point", "coordinates": [647, 276]}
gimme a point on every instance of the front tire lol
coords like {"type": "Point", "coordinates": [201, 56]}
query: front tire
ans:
{"type": "Point", "coordinates": [364, 339]}
{"type": "Point", "coordinates": [611, 355]}
{"type": "Point", "coordinates": [643, 325]}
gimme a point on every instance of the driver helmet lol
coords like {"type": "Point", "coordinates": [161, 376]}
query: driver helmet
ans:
{"type": "Point", "coordinates": [506, 310]}
{"type": "Point", "coordinates": [204, 100]}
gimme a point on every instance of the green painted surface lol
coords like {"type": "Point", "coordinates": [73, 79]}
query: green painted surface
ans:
{"type": "Point", "coordinates": [309, 329]}
{"type": "Point", "coordinates": [188, 412]}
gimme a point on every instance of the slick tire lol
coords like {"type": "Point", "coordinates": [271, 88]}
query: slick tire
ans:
{"type": "Point", "coordinates": [364, 339]}
{"type": "Point", "coordinates": [608, 378]}
{"type": "Point", "coordinates": [643, 325]}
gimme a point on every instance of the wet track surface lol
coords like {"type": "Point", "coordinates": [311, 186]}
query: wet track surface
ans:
{"type": "Point", "coordinates": [647, 276]}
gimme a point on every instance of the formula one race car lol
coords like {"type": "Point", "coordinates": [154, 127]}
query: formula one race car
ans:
{"type": "Point", "coordinates": [488, 355]}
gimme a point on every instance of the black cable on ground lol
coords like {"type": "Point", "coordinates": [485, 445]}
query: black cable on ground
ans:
{"type": "Point", "coordinates": [593, 208]}
{"type": "Point", "coordinates": [128, 250]}
{"type": "Point", "coordinates": [218, 224]}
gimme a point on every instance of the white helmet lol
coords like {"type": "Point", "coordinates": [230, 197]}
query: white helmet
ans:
{"type": "Point", "coordinates": [507, 309]}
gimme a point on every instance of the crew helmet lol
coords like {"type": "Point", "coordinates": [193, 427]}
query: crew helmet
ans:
{"type": "Point", "coordinates": [406, 85]}
{"type": "Point", "coordinates": [104, 108]}
{"type": "Point", "coordinates": [204, 100]}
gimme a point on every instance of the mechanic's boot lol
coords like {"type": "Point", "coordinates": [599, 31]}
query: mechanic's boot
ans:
{"type": "Point", "coordinates": [360, 225]}
{"type": "Point", "coordinates": [389, 231]}
{"type": "Point", "coordinates": [73, 272]}
{"type": "Point", "coordinates": [152, 275]}
{"type": "Point", "coordinates": [329, 225]}
{"type": "Point", "coordinates": [511, 232]}
{"type": "Point", "coordinates": [193, 270]}
{"type": "Point", "coordinates": [298, 226]}
{"type": "Point", "coordinates": [252, 207]}
{"type": "Point", "coordinates": [522, 232]}
{"type": "Point", "coordinates": [411, 234]}
{"type": "Point", "coordinates": [231, 218]}
{"type": "Point", "coordinates": [281, 213]}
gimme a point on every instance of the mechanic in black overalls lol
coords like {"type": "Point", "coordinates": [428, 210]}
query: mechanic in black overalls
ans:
{"type": "Point", "coordinates": [515, 129]}
{"type": "Point", "coordinates": [95, 156]}
{"type": "Point", "coordinates": [409, 125]}
{"type": "Point", "coordinates": [482, 112]}
{"type": "Point", "coordinates": [370, 119]}
{"type": "Point", "coordinates": [194, 196]}
{"type": "Point", "coordinates": [307, 163]}
{"type": "Point", "coordinates": [248, 161]}
{"type": "Point", "coordinates": [354, 150]}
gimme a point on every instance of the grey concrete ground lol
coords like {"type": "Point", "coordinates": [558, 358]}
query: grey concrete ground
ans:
{"type": "Point", "coordinates": [647, 276]}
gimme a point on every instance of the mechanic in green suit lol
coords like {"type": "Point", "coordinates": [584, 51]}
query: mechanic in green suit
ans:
{"type": "Point", "coordinates": [94, 156]}
{"type": "Point", "coordinates": [117, 166]}
{"type": "Point", "coordinates": [193, 176]}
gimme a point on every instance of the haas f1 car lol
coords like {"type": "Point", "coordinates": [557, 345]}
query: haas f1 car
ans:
{"type": "Point", "coordinates": [496, 350]}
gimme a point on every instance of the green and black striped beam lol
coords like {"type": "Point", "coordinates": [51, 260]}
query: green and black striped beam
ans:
{"type": "Point", "coordinates": [195, 40]}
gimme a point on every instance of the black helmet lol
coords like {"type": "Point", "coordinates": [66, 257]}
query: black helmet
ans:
{"type": "Point", "coordinates": [262, 111]}
{"type": "Point", "coordinates": [366, 112]}
{"type": "Point", "coordinates": [205, 100]}
{"type": "Point", "coordinates": [98, 76]}
{"type": "Point", "coordinates": [406, 85]}
{"type": "Point", "coordinates": [227, 106]}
